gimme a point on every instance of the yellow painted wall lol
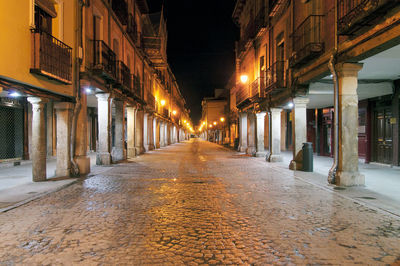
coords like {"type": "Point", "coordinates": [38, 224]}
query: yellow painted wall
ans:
{"type": "Point", "coordinates": [15, 43]}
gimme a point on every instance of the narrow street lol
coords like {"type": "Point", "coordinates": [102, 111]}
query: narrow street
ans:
{"type": "Point", "coordinates": [196, 203]}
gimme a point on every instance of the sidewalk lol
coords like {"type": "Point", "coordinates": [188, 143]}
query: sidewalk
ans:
{"type": "Point", "coordinates": [17, 188]}
{"type": "Point", "coordinates": [382, 183]}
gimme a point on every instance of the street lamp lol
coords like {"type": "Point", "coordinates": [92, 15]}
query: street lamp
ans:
{"type": "Point", "coordinates": [215, 123]}
{"type": "Point", "coordinates": [222, 119]}
{"type": "Point", "coordinates": [174, 112]}
{"type": "Point", "coordinates": [244, 78]}
{"type": "Point", "coordinates": [162, 102]}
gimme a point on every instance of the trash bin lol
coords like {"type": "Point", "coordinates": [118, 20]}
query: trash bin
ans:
{"type": "Point", "coordinates": [307, 157]}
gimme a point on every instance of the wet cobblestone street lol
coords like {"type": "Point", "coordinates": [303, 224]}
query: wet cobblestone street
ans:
{"type": "Point", "coordinates": [196, 203]}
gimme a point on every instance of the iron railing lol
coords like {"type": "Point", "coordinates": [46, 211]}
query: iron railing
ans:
{"type": "Point", "coordinates": [137, 86]}
{"type": "Point", "coordinates": [124, 75]}
{"type": "Point", "coordinates": [165, 112]}
{"type": "Point", "coordinates": [258, 87]}
{"type": "Point", "coordinates": [276, 76]}
{"type": "Point", "coordinates": [242, 94]}
{"type": "Point", "coordinates": [152, 43]}
{"type": "Point", "coordinates": [354, 14]}
{"type": "Point", "coordinates": [151, 101]}
{"type": "Point", "coordinates": [260, 21]}
{"type": "Point", "coordinates": [104, 59]}
{"type": "Point", "coordinates": [307, 40]}
{"type": "Point", "coordinates": [120, 8]}
{"type": "Point", "coordinates": [51, 57]}
{"type": "Point", "coordinates": [132, 28]}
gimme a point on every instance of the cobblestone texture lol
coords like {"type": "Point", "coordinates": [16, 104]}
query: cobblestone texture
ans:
{"type": "Point", "coordinates": [194, 204]}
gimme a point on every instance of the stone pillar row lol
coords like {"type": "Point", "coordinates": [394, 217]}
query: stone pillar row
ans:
{"type": "Point", "coordinates": [142, 130]}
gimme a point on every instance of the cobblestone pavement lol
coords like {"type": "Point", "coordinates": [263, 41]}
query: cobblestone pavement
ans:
{"type": "Point", "coordinates": [196, 203]}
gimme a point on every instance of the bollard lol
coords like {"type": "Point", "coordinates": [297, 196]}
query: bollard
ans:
{"type": "Point", "coordinates": [307, 157]}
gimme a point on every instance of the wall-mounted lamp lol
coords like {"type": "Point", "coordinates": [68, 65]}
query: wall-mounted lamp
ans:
{"type": "Point", "coordinates": [162, 102]}
{"type": "Point", "coordinates": [244, 78]}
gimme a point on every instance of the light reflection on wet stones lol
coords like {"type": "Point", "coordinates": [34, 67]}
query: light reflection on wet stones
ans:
{"type": "Point", "coordinates": [195, 204]}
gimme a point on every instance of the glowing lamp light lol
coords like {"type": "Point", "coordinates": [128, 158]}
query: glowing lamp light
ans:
{"type": "Point", "coordinates": [162, 102]}
{"type": "Point", "coordinates": [222, 119]}
{"type": "Point", "coordinates": [15, 94]}
{"type": "Point", "coordinates": [204, 123]}
{"type": "Point", "coordinates": [290, 105]}
{"type": "Point", "coordinates": [210, 125]}
{"type": "Point", "coordinates": [174, 112]}
{"type": "Point", "coordinates": [215, 123]}
{"type": "Point", "coordinates": [88, 90]}
{"type": "Point", "coordinates": [244, 78]}
{"type": "Point", "coordinates": [184, 121]}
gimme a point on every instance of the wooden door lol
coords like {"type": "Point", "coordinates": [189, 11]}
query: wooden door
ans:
{"type": "Point", "coordinates": [383, 140]}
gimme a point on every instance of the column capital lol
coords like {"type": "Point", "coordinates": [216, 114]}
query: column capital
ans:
{"type": "Point", "coordinates": [348, 69]}
{"type": "Point", "coordinates": [64, 106]}
{"type": "Point", "coordinates": [37, 100]}
{"type": "Point", "coordinates": [103, 96]}
{"type": "Point", "coordinates": [299, 101]}
{"type": "Point", "coordinates": [261, 115]}
{"type": "Point", "coordinates": [276, 110]}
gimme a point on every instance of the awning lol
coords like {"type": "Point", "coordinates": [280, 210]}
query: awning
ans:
{"type": "Point", "coordinates": [47, 6]}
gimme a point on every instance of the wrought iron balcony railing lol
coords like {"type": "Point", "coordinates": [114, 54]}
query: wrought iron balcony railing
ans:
{"type": "Point", "coordinates": [258, 88]}
{"type": "Point", "coordinates": [152, 43]}
{"type": "Point", "coordinates": [353, 15]}
{"type": "Point", "coordinates": [151, 101]}
{"type": "Point", "coordinates": [120, 8]}
{"type": "Point", "coordinates": [104, 61]}
{"type": "Point", "coordinates": [276, 77]}
{"type": "Point", "coordinates": [242, 94]}
{"type": "Point", "coordinates": [137, 86]}
{"type": "Point", "coordinates": [124, 75]}
{"type": "Point", "coordinates": [307, 40]}
{"type": "Point", "coordinates": [132, 28]}
{"type": "Point", "coordinates": [51, 57]}
{"type": "Point", "coordinates": [165, 112]}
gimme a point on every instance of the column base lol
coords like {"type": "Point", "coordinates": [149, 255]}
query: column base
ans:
{"type": "Point", "coordinates": [83, 163]}
{"type": "Point", "coordinates": [151, 147]}
{"type": "Point", "coordinates": [118, 154]}
{"type": "Point", "coordinates": [63, 172]}
{"type": "Point", "coordinates": [275, 158]}
{"type": "Point", "coordinates": [261, 154]}
{"type": "Point", "coordinates": [242, 148]}
{"type": "Point", "coordinates": [348, 179]}
{"type": "Point", "coordinates": [140, 150]}
{"type": "Point", "coordinates": [251, 151]}
{"type": "Point", "coordinates": [295, 166]}
{"type": "Point", "coordinates": [131, 152]}
{"type": "Point", "coordinates": [103, 158]}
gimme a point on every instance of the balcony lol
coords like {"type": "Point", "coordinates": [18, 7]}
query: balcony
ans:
{"type": "Point", "coordinates": [307, 41]}
{"type": "Point", "coordinates": [276, 78]}
{"type": "Point", "coordinates": [355, 15]}
{"type": "Point", "coordinates": [165, 112]}
{"type": "Point", "coordinates": [123, 76]}
{"type": "Point", "coordinates": [137, 86]}
{"type": "Point", "coordinates": [104, 61]}
{"type": "Point", "coordinates": [120, 8]}
{"type": "Point", "coordinates": [153, 43]}
{"type": "Point", "coordinates": [132, 28]}
{"type": "Point", "coordinates": [151, 102]}
{"type": "Point", "coordinates": [260, 21]}
{"type": "Point", "coordinates": [51, 57]}
{"type": "Point", "coordinates": [242, 96]}
{"type": "Point", "coordinates": [257, 88]}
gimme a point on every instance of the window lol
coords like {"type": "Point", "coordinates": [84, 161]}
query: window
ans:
{"type": "Point", "coordinates": [43, 20]}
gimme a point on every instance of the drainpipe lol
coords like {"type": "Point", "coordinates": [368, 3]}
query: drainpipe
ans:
{"type": "Point", "coordinates": [331, 65]}
{"type": "Point", "coordinates": [77, 108]}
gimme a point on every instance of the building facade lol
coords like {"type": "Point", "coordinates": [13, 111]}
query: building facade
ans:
{"type": "Point", "coordinates": [290, 57]}
{"type": "Point", "coordinates": [85, 76]}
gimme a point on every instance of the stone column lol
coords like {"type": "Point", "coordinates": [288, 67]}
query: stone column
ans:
{"type": "Point", "coordinates": [162, 144]}
{"type": "Point", "coordinates": [168, 133]}
{"type": "Point", "coordinates": [64, 112]}
{"type": "Point", "coordinates": [251, 134]}
{"type": "Point", "coordinates": [260, 122]}
{"type": "Point", "coordinates": [243, 132]}
{"type": "Point", "coordinates": [139, 133]}
{"type": "Point", "coordinates": [347, 172]}
{"type": "Point", "coordinates": [157, 133]}
{"type": "Point", "coordinates": [275, 136]}
{"type": "Point", "coordinates": [38, 151]}
{"type": "Point", "coordinates": [81, 138]}
{"type": "Point", "coordinates": [130, 113]}
{"type": "Point", "coordinates": [150, 133]}
{"type": "Point", "coordinates": [119, 152]}
{"type": "Point", "coordinates": [145, 131]}
{"type": "Point", "coordinates": [104, 121]}
{"type": "Point", "coordinates": [299, 131]}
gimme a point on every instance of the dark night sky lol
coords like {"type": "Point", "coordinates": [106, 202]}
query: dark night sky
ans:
{"type": "Point", "coordinates": [201, 37]}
